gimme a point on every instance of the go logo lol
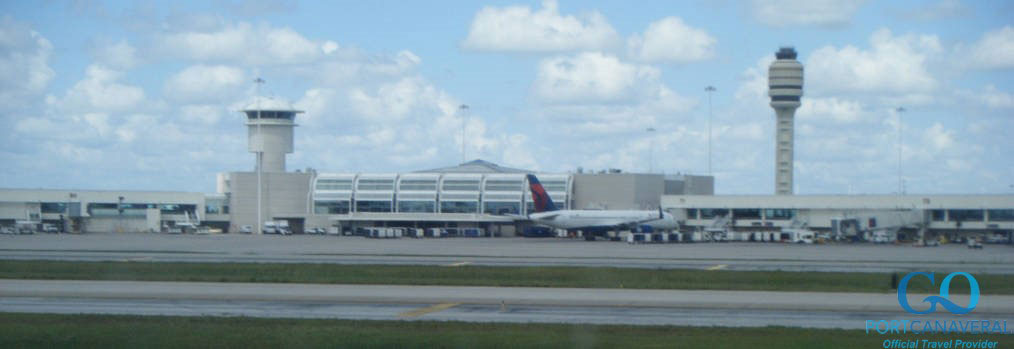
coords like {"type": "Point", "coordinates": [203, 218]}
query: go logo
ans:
{"type": "Point", "coordinates": [944, 297]}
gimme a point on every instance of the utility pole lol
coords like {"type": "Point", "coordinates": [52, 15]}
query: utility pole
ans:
{"type": "Point", "coordinates": [710, 89]}
{"type": "Point", "coordinates": [260, 155]}
{"type": "Point", "coordinates": [901, 189]}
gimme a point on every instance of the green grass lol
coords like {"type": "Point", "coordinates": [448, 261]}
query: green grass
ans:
{"type": "Point", "coordinates": [115, 331]}
{"type": "Point", "coordinates": [582, 277]}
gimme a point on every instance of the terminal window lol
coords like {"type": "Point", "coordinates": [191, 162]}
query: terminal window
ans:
{"type": "Point", "coordinates": [334, 184]}
{"type": "Point", "coordinates": [502, 208]}
{"type": "Point", "coordinates": [331, 207]}
{"type": "Point", "coordinates": [746, 213]}
{"type": "Point", "coordinates": [418, 184]}
{"type": "Point", "coordinates": [417, 206]}
{"type": "Point", "coordinates": [1001, 215]}
{"type": "Point", "coordinates": [459, 207]}
{"type": "Point", "coordinates": [708, 213]}
{"type": "Point", "coordinates": [938, 215]}
{"type": "Point", "coordinates": [502, 185]}
{"type": "Point", "coordinates": [965, 215]}
{"type": "Point", "coordinates": [373, 206]}
{"type": "Point", "coordinates": [376, 184]}
{"type": "Point", "coordinates": [555, 185]}
{"type": "Point", "coordinates": [53, 207]}
{"type": "Point", "coordinates": [462, 185]}
{"type": "Point", "coordinates": [779, 213]}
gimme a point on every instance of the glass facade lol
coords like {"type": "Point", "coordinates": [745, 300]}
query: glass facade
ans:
{"type": "Point", "coordinates": [501, 208]}
{"type": "Point", "coordinates": [560, 186]}
{"type": "Point", "coordinates": [938, 215]}
{"type": "Point", "coordinates": [966, 215]}
{"type": "Point", "coordinates": [1001, 215]}
{"type": "Point", "coordinates": [271, 114]}
{"type": "Point", "coordinates": [746, 213]}
{"type": "Point", "coordinates": [334, 184]}
{"type": "Point", "coordinates": [331, 207]}
{"type": "Point", "coordinates": [417, 206]}
{"type": "Point", "coordinates": [504, 185]}
{"type": "Point", "coordinates": [459, 207]}
{"type": "Point", "coordinates": [691, 213]}
{"type": "Point", "coordinates": [53, 207]}
{"type": "Point", "coordinates": [418, 184]}
{"type": "Point", "coordinates": [373, 206]}
{"type": "Point", "coordinates": [376, 184]}
{"type": "Point", "coordinates": [461, 184]}
{"type": "Point", "coordinates": [709, 213]}
{"type": "Point", "coordinates": [779, 213]}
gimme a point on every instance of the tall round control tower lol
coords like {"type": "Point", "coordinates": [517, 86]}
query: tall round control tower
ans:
{"type": "Point", "coordinates": [785, 86]}
{"type": "Point", "coordinates": [270, 123]}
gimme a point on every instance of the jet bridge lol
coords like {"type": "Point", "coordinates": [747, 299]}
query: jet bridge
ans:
{"type": "Point", "coordinates": [876, 226]}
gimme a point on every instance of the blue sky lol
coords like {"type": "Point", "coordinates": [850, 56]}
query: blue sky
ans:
{"type": "Point", "coordinates": [124, 95]}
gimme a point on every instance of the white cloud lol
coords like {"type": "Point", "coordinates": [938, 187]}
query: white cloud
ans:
{"type": "Point", "coordinates": [118, 55]}
{"type": "Point", "coordinates": [753, 88]}
{"type": "Point", "coordinates": [242, 43]}
{"type": "Point", "coordinates": [206, 83]}
{"type": "Point", "coordinates": [939, 137]}
{"type": "Point", "coordinates": [671, 40]}
{"type": "Point", "coordinates": [393, 100]}
{"type": "Point", "coordinates": [994, 98]}
{"type": "Point", "coordinates": [518, 28]}
{"type": "Point", "coordinates": [893, 64]}
{"type": "Point", "coordinates": [591, 77]}
{"type": "Point", "coordinates": [329, 47]}
{"type": "Point", "coordinates": [101, 90]}
{"type": "Point", "coordinates": [995, 50]}
{"type": "Point", "coordinates": [831, 109]}
{"type": "Point", "coordinates": [821, 13]}
{"type": "Point", "coordinates": [989, 97]}
{"type": "Point", "coordinates": [939, 10]}
{"type": "Point", "coordinates": [24, 63]}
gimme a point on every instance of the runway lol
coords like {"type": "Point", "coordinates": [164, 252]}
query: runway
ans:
{"type": "Point", "coordinates": [475, 304]}
{"type": "Point", "coordinates": [994, 259]}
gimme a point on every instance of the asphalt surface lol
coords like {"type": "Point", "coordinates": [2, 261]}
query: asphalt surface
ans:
{"type": "Point", "coordinates": [995, 259]}
{"type": "Point", "coordinates": [477, 304]}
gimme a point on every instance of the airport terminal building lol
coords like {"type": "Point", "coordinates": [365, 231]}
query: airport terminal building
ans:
{"type": "Point", "coordinates": [476, 194]}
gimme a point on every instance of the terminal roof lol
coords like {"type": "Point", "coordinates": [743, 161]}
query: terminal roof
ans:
{"type": "Point", "coordinates": [476, 166]}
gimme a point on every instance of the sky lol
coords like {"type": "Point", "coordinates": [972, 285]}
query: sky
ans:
{"type": "Point", "coordinates": [145, 95]}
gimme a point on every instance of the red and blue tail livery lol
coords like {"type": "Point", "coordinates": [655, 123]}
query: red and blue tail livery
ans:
{"type": "Point", "coordinates": [539, 196]}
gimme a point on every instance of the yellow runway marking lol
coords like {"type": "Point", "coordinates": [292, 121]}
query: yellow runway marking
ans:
{"type": "Point", "coordinates": [458, 264]}
{"type": "Point", "coordinates": [718, 267]}
{"type": "Point", "coordinates": [427, 310]}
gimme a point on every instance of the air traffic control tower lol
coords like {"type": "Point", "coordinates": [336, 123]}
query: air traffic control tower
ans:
{"type": "Point", "coordinates": [785, 86]}
{"type": "Point", "coordinates": [270, 124]}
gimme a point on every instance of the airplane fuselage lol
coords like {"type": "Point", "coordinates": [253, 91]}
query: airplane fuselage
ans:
{"type": "Point", "coordinates": [595, 219]}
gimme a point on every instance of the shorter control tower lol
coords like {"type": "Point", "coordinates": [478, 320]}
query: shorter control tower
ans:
{"type": "Point", "coordinates": [785, 86]}
{"type": "Point", "coordinates": [270, 123]}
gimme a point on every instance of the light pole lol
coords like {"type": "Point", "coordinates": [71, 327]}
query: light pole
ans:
{"type": "Point", "coordinates": [709, 89]}
{"type": "Point", "coordinates": [463, 108]}
{"type": "Point", "coordinates": [901, 189]}
{"type": "Point", "coordinates": [260, 154]}
{"type": "Point", "coordinates": [651, 148]}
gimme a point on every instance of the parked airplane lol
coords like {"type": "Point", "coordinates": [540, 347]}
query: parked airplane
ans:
{"type": "Point", "coordinates": [593, 222]}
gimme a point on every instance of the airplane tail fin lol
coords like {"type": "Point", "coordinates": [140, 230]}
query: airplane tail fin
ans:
{"type": "Point", "coordinates": [539, 196]}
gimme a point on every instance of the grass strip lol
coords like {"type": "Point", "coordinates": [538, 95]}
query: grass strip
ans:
{"type": "Point", "coordinates": [580, 277]}
{"type": "Point", "coordinates": [114, 331]}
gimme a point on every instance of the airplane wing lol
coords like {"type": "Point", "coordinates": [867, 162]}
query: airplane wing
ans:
{"type": "Point", "coordinates": [633, 224]}
{"type": "Point", "coordinates": [517, 217]}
